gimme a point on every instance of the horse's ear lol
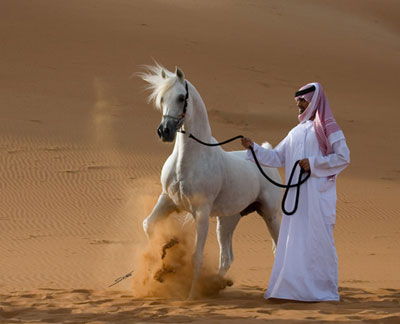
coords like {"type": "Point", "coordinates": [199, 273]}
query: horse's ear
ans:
{"type": "Point", "coordinates": [179, 74]}
{"type": "Point", "coordinates": [164, 76]}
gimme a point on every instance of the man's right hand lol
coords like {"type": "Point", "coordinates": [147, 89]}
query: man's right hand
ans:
{"type": "Point", "coordinates": [247, 142]}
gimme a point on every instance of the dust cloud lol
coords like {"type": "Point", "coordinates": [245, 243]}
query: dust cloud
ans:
{"type": "Point", "coordinates": [163, 268]}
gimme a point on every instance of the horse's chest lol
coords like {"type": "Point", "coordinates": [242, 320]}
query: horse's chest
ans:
{"type": "Point", "coordinates": [188, 186]}
{"type": "Point", "coordinates": [180, 192]}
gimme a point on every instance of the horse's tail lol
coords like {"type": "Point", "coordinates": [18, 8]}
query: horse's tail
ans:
{"type": "Point", "coordinates": [266, 145]}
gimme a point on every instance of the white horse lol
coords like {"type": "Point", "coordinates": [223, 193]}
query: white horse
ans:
{"type": "Point", "coordinates": [205, 181]}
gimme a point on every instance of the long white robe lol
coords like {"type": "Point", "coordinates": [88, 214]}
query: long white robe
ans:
{"type": "Point", "coordinates": [306, 265]}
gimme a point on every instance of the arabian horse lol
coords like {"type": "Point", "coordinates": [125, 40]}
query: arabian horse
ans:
{"type": "Point", "coordinates": [205, 181]}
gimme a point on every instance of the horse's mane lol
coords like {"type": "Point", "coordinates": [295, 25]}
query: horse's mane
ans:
{"type": "Point", "coordinates": [158, 85]}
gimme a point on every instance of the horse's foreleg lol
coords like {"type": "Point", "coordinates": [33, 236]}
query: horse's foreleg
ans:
{"type": "Point", "coordinates": [162, 209]}
{"type": "Point", "coordinates": [202, 221]}
{"type": "Point", "coordinates": [225, 227]}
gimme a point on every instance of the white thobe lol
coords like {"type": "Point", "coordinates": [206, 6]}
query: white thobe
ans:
{"type": "Point", "coordinates": [305, 266]}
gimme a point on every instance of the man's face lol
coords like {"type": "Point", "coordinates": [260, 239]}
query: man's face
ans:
{"type": "Point", "coordinates": [302, 104]}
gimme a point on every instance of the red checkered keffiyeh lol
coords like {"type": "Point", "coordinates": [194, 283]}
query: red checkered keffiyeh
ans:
{"type": "Point", "coordinates": [325, 126]}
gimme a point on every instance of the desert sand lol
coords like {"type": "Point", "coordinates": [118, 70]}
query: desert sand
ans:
{"type": "Point", "coordinates": [81, 161]}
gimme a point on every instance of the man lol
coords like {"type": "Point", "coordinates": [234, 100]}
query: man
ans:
{"type": "Point", "coordinates": [305, 265]}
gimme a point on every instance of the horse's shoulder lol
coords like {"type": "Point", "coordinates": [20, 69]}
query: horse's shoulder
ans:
{"type": "Point", "coordinates": [168, 167]}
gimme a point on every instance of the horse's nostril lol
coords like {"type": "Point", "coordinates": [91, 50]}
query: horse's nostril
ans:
{"type": "Point", "coordinates": [166, 131]}
{"type": "Point", "coordinates": [159, 131]}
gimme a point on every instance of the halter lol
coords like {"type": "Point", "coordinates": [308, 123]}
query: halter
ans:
{"type": "Point", "coordinates": [181, 119]}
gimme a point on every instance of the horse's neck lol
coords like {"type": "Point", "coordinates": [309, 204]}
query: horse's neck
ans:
{"type": "Point", "coordinates": [198, 125]}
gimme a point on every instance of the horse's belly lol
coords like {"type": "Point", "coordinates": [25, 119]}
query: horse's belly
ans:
{"type": "Point", "coordinates": [229, 208]}
{"type": "Point", "coordinates": [241, 187]}
{"type": "Point", "coordinates": [232, 200]}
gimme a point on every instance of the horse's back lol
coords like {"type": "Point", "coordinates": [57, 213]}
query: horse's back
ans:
{"type": "Point", "coordinates": [239, 154]}
{"type": "Point", "coordinates": [243, 153]}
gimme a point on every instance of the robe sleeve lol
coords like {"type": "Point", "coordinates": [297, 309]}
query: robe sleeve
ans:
{"type": "Point", "coordinates": [328, 165]}
{"type": "Point", "coordinates": [269, 157]}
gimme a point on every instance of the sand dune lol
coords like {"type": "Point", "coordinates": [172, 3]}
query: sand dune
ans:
{"type": "Point", "coordinates": [80, 159]}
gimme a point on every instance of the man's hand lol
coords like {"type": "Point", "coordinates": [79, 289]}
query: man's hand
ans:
{"type": "Point", "coordinates": [247, 142]}
{"type": "Point", "coordinates": [305, 165]}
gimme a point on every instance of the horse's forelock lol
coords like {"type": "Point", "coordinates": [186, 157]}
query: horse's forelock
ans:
{"type": "Point", "coordinates": [158, 85]}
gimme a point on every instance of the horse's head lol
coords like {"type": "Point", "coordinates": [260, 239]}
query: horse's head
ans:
{"type": "Point", "coordinates": [170, 95]}
{"type": "Point", "coordinates": [173, 105]}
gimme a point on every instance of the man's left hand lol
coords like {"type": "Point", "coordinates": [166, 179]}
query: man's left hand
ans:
{"type": "Point", "coordinates": [305, 165]}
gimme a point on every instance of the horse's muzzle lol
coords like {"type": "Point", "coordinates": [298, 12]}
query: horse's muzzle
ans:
{"type": "Point", "coordinates": [167, 130]}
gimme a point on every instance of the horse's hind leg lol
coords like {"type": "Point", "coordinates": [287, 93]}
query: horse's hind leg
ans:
{"type": "Point", "coordinates": [162, 209]}
{"type": "Point", "coordinates": [272, 217]}
{"type": "Point", "coordinates": [225, 227]}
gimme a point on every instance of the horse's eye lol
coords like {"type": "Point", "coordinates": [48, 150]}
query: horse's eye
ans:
{"type": "Point", "coordinates": [162, 99]}
{"type": "Point", "coordinates": [181, 98]}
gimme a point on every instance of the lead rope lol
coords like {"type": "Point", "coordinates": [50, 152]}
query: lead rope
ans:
{"type": "Point", "coordinates": [287, 187]}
